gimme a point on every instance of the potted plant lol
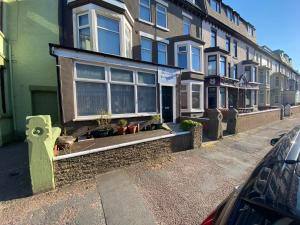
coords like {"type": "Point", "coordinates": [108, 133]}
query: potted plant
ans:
{"type": "Point", "coordinates": [103, 125]}
{"type": "Point", "coordinates": [156, 122]}
{"type": "Point", "coordinates": [132, 129]}
{"type": "Point", "coordinates": [122, 127]}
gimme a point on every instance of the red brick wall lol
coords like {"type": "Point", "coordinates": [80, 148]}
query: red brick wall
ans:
{"type": "Point", "coordinates": [249, 121]}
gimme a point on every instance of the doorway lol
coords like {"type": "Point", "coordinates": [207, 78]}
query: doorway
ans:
{"type": "Point", "coordinates": [167, 104]}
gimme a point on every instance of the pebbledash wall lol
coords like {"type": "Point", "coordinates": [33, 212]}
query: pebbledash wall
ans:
{"type": "Point", "coordinates": [249, 121]}
{"type": "Point", "coordinates": [86, 165]}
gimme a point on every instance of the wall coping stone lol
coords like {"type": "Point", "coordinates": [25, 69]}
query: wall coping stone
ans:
{"type": "Point", "coordinates": [76, 154]}
{"type": "Point", "coordinates": [259, 112]}
{"type": "Point", "coordinates": [295, 106]}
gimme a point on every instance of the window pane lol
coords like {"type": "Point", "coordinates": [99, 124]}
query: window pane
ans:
{"type": "Point", "coordinates": [121, 75]}
{"type": "Point", "coordinates": [90, 72]}
{"type": "Point", "coordinates": [186, 26]}
{"type": "Point", "coordinates": [161, 16]}
{"type": "Point", "coordinates": [122, 99]}
{"type": "Point", "coordinates": [162, 53]}
{"type": "Point", "coordinates": [85, 39]}
{"type": "Point", "coordinates": [146, 46]}
{"type": "Point", "coordinates": [146, 99]}
{"type": "Point", "coordinates": [183, 99]}
{"type": "Point", "coordinates": [107, 23]}
{"type": "Point", "coordinates": [222, 66]}
{"type": "Point", "coordinates": [213, 40]}
{"type": "Point", "coordinates": [91, 98]}
{"type": "Point", "coordinates": [212, 65]}
{"type": "Point", "coordinates": [145, 12]}
{"type": "Point", "coordinates": [196, 100]}
{"type": "Point", "coordinates": [196, 59]}
{"type": "Point", "coordinates": [196, 87]}
{"type": "Point", "coordinates": [109, 42]}
{"type": "Point", "coordinates": [146, 78]}
{"type": "Point", "coordinates": [83, 20]}
{"type": "Point", "coordinates": [108, 35]}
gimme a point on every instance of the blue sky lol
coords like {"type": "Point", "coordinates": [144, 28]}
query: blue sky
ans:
{"type": "Point", "coordinates": [277, 23]}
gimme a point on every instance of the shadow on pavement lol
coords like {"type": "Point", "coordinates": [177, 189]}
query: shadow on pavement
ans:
{"type": "Point", "coordinates": [14, 172]}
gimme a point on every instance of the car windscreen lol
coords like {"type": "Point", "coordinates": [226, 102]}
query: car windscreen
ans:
{"type": "Point", "coordinates": [249, 213]}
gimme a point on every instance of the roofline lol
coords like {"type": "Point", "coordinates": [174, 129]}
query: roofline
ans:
{"type": "Point", "coordinates": [51, 45]}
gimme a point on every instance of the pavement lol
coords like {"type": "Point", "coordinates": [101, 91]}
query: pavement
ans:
{"type": "Point", "coordinates": [180, 188]}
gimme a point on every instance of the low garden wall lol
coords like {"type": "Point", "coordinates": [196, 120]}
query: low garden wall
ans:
{"type": "Point", "coordinates": [87, 164]}
{"type": "Point", "coordinates": [249, 121]}
{"type": "Point", "coordinates": [295, 109]}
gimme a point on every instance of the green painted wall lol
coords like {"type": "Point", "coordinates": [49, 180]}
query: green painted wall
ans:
{"type": "Point", "coordinates": [31, 25]}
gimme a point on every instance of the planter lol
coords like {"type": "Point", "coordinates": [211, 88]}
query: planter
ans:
{"type": "Point", "coordinates": [100, 133]}
{"type": "Point", "coordinates": [122, 130]}
{"type": "Point", "coordinates": [132, 129]}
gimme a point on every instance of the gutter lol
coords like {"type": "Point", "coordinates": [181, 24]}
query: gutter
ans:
{"type": "Point", "coordinates": [11, 86]}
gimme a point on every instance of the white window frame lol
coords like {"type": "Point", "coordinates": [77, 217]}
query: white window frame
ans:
{"type": "Point", "coordinates": [186, 21]}
{"type": "Point", "coordinates": [149, 8]}
{"type": "Point", "coordinates": [166, 52]}
{"type": "Point", "coordinates": [83, 27]}
{"type": "Point", "coordinates": [166, 16]}
{"type": "Point", "coordinates": [108, 83]}
{"type": "Point", "coordinates": [190, 108]}
{"type": "Point", "coordinates": [150, 50]}
{"type": "Point", "coordinates": [189, 45]}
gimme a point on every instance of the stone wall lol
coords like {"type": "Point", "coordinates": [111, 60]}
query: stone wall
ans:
{"type": "Point", "coordinates": [295, 109]}
{"type": "Point", "coordinates": [86, 166]}
{"type": "Point", "coordinates": [249, 121]}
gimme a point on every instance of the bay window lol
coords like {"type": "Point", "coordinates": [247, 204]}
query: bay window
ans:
{"type": "Point", "coordinates": [162, 51]}
{"type": "Point", "coordinates": [84, 32]}
{"type": "Point", "coordinates": [235, 71]}
{"type": "Point", "coordinates": [161, 16]}
{"type": "Point", "coordinates": [212, 65]}
{"type": "Point", "coordinates": [145, 10]}
{"type": "Point", "coordinates": [113, 90]}
{"type": "Point", "coordinates": [248, 73]}
{"type": "Point", "coordinates": [146, 49]}
{"type": "Point", "coordinates": [101, 30]}
{"type": "Point", "coordinates": [192, 95]}
{"type": "Point", "coordinates": [188, 56]}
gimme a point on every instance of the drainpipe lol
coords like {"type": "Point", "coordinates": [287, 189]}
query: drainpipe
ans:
{"type": "Point", "coordinates": [11, 86]}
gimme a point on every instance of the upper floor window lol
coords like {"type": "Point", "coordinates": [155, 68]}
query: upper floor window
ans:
{"type": "Point", "coordinates": [212, 65]}
{"type": "Point", "coordinates": [102, 31]}
{"type": "Point", "coordinates": [250, 30]}
{"type": "Point", "coordinates": [161, 16]}
{"type": "Point", "coordinates": [247, 53]}
{"type": "Point", "coordinates": [254, 74]}
{"type": "Point", "coordinates": [235, 71]}
{"type": "Point", "coordinates": [145, 10]}
{"type": "Point", "coordinates": [186, 26]}
{"type": "Point", "coordinates": [248, 73]}
{"type": "Point", "coordinates": [189, 56]}
{"type": "Point", "coordinates": [216, 6]}
{"type": "Point", "coordinates": [162, 53]}
{"type": "Point", "coordinates": [235, 48]}
{"type": "Point", "coordinates": [84, 32]}
{"type": "Point", "coordinates": [229, 13]}
{"type": "Point", "coordinates": [146, 49]}
{"type": "Point", "coordinates": [213, 38]}
{"type": "Point", "coordinates": [235, 19]}
{"type": "Point", "coordinates": [108, 35]}
{"type": "Point", "coordinates": [222, 66]}
{"type": "Point", "coordinates": [228, 42]}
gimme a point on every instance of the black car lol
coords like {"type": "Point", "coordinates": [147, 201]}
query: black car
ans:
{"type": "Point", "coordinates": [271, 196]}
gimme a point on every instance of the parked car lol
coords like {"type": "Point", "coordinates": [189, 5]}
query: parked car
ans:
{"type": "Point", "coordinates": [271, 196]}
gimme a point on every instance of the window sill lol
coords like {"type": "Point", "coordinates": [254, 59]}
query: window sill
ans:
{"type": "Point", "coordinates": [115, 116]}
{"type": "Point", "coordinates": [146, 22]}
{"type": "Point", "coordinates": [163, 28]}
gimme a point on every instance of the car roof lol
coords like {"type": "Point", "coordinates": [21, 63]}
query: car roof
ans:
{"type": "Point", "coordinates": [275, 183]}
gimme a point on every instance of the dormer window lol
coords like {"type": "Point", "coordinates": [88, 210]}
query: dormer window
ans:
{"type": "Point", "coordinates": [102, 30]}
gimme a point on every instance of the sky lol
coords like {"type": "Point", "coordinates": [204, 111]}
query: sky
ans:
{"type": "Point", "coordinates": [277, 23]}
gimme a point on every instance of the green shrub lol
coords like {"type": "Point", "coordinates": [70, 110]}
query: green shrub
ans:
{"type": "Point", "coordinates": [122, 123]}
{"type": "Point", "coordinates": [188, 124]}
{"type": "Point", "coordinates": [155, 119]}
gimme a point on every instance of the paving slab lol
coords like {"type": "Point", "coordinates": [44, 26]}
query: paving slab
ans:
{"type": "Point", "coordinates": [122, 204]}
